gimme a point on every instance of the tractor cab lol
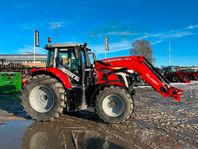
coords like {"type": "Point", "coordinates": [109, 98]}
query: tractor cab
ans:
{"type": "Point", "coordinates": [72, 59]}
{"type": "Point", "coordinates": [171, 69]}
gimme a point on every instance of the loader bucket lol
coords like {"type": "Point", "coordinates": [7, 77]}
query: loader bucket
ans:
{"type": "Point", "coordinates": [175, 93]}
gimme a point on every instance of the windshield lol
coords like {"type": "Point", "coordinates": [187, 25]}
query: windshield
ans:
{"type": "Point", "coordinates": [173, 69]}
{"type": "Point", "coordinates": [91, 57]}
{"type": "Point", "coordinates": [67, 59]}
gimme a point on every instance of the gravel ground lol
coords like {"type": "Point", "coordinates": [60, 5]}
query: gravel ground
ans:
{"type": "Point", "coordinates": [164, 123]}
{"type": "Point", "coordinates": [156, 122]}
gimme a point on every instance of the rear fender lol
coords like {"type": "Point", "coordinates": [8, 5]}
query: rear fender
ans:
{"type": "Point", "coordinates": [56, 73]}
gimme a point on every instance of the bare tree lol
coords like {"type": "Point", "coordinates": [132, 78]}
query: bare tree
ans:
{"type": "Point", "coordinates": [142, 48]}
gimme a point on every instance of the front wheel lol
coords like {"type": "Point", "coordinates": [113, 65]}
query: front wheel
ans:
{"type": "Point", "coordinates": [114, 104]}
{"type": "Point", "coordinates": [43, 98]}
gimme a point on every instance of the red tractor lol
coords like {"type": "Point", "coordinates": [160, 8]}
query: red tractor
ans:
{"type": "Point", "coordinates": [174, 74]}
{"type": "Point", "coordinates": [71, 82]}
{"type": "Point", "coordinates": [192, 73]}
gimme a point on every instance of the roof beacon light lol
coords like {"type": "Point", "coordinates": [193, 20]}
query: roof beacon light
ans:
{"type": "Point", "coordinates": [49, 40]}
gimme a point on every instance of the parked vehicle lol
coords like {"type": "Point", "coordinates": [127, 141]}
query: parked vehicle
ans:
{"type": "Point", "coordinates": [10, 82]}
{"type": "Point", "coordinates": [192, 73]}
{"type": "Point", "coordinates": [174, 74]}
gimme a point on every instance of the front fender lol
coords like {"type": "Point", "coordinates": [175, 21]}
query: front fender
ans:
{"type": "Point", "coordinates": [54, 72]}
{"type": "Point", "coordinates": [123, 75]}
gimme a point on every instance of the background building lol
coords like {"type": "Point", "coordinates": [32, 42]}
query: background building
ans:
{"type": "Point", "coordinates": [26, 59]}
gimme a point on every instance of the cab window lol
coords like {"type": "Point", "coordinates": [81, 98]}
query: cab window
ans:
{"type": "Point", "coordinates": [50, 58]}
{"type": "Point", "coordinates": [67, 59]}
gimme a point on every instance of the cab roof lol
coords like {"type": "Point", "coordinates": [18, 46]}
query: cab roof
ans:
{"type": "Point", "coordinates": [62, 45]}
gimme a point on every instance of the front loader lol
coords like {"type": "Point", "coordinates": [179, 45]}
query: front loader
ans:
{"type": "Point", "coordinates": [71, 82]}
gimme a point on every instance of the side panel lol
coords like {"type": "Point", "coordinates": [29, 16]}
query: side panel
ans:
{"type": "Point", "coordinates": [54, 72]}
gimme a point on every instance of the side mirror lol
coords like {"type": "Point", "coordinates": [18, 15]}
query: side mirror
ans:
{"type": "Point", "coordinates": [85, 45]}
{"type": "Point", "coordinates": [92, 57]}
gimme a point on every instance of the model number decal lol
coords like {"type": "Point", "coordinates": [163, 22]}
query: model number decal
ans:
{"type": "Point", "coordinates": [151, 79]}
{"type": "Point", "coordinates": [117, 59]}
{"type": "Point", "coordinates": [69, 73]}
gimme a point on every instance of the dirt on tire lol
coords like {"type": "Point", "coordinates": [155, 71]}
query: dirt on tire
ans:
{"type": "Point", "coordinates": [58, 95]}
{"type": "Point", "coordinates": [127, 101]}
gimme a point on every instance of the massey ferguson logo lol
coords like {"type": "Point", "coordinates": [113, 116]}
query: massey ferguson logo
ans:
{"type": "Point", "coordinates": [69, 73]}
{"type": "Point", "coordinates": [151, 79]}
{"type": "Point", "coordinates": [117, 59]}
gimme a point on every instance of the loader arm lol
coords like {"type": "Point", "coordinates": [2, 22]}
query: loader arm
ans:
{"type": "Point", "coordinates": [146, 70]}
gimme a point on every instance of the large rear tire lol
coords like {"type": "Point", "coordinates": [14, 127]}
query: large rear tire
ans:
{"type": "Point", "coordinates": [114, 104]}
{"type": "Point", "coordinates": [43, 98]}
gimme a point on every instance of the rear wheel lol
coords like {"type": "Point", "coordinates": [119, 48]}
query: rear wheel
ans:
{"type": "Point", "coordinates": [114, 104]}
{"type": "Point", "coordinates": [43, 98]}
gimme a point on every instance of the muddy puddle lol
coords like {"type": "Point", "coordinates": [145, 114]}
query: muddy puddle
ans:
{"type": "Point", "coordinates": [67, 133]}
{"type": "Point", "coordinates": [12, 133]}
{"type": "Point", "coordinates": [77, 133]}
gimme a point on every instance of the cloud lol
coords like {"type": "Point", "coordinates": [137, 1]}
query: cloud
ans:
{"type": "Point", "coordinates": [126, 31]}
{"type": "Point", "coordinates": [121, 33]}
{"type": "Point", "coordinates": [113, 29]}
{"type": "Point", "coordinates": [56, 25]}
{"type": "Point", "coordinates": [156, 42]}
{"type": "Point", "coordinates": [44, 24]}
{"type": "Point", "coordinates": [150, 35]}
{"type": "Point", "coordinates": [112, 33]}
{"type": "Point", "coordinates": [176, 34]}
{"type": "Point", "coordinates": [192, 26]}
{"type": "Point", "coordinates": [113, 47]}
{"type": "Point", "coordinates": [157, 38]}
{"type": "Point", "coordinates": [125, 44]}
{"type": "Point", "coordinates": [32, 25]}
{"type": "Point", "coordinates": [24, 26]}
{"type": "Point", "coordinates": [167, 35]}
{"type": "Point", "coordinates": [60, 24]}
{"type": "Point", "coordinates": [30, 48]}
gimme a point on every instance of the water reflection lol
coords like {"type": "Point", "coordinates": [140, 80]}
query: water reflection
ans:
{"type": "Point", "coordinates": [70, 135]}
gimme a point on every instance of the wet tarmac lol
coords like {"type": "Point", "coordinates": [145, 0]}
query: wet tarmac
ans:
{"type": "Point", "coordinates": [156, 123]}
{"type": "Point", "coordinates": [66, 132]}
{"type": "Point", "coordinates": [12, 133]}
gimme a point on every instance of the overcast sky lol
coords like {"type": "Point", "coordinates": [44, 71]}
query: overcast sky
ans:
{"type": "Point", "coordinates": [124, 21]}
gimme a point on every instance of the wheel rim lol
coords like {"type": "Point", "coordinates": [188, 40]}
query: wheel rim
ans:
{"type": "Point", "coordinates": [41, 99]}
{"type": "Point", "coordinates": [113, 105]}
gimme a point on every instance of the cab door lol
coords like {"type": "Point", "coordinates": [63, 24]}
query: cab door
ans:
{"type": "Point", "coordinates": [70, 65]}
